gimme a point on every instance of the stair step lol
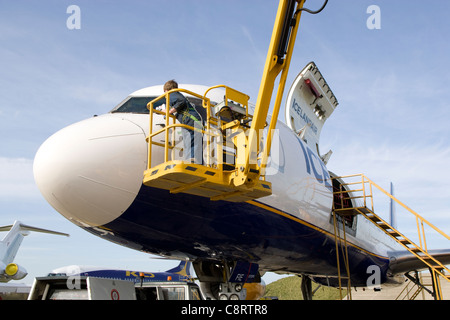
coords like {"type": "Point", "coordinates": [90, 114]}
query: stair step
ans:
{"type": "Point", "coordinates": [373, 218]}
{"type": "Point", "coordinates": [383, 225]}
{"type": "Point", "coordinates": [394, 233]}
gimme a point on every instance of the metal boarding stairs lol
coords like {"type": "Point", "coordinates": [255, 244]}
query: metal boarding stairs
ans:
{"type": "Point", "coordinates": [359, 189]}
{"type": "Point", "coordinates": [219, 174]}
{"type": "Point", "coordinates": [417, 284]}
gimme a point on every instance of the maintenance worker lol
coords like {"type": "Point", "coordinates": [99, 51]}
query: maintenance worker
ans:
{"type": "Point", "coordinates": [186, 114]}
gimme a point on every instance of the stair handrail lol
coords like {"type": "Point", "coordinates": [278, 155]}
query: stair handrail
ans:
{"type": "Point", "coordinates": [368, 193]}
{"type": "Point", "coordinates": [418, 217]}
{"type": "Point", "coordinates": [369, 213]}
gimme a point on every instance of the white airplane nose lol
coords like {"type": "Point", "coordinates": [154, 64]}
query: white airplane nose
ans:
{"type": "Point", "coordinates": [91, 171]}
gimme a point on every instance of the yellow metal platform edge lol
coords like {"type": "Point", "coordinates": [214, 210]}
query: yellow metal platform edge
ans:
{"type": "Point", "coordinates": [196, 179]}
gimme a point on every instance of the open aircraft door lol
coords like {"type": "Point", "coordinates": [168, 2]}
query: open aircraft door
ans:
{"type": "Point", "coordinates": [310, 102]}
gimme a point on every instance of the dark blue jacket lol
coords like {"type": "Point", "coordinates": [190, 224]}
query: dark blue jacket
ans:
{"type": "Point", "coordinates": [186, 113]}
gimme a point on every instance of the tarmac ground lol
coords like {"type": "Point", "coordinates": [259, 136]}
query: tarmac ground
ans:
{"type": "Point", "coordinates": [407, 291]}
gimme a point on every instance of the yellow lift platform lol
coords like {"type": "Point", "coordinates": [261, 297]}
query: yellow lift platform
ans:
{"type": "Point", "coordinates": [218, 180]}
{"type": "Point", "coordinates": [359, 189]}
{"type": "Point", "coordinates": [242, 178]}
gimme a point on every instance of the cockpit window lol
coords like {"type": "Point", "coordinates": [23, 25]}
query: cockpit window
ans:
{"type": "Point", "coordinates": [136, 105]}
{"type": "Point", "coordinates": [139, 105]}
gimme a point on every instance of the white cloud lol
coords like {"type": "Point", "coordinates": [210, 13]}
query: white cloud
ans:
{"type": "Point", "coordinates": [260, 56]}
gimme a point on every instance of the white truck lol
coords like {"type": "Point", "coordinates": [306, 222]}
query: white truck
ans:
{"type": "Point", "coordinates": [92, 288]}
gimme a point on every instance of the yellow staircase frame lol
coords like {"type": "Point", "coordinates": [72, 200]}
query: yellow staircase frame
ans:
{"type": "Point", "coordinates": [360, 188]}
{"type": "Point", "coordinates": [341, 242]}
{"type": "Point", "coordinates": [413, 289]}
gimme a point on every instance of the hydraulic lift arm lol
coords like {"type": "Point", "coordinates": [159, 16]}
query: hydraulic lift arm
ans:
{"type": "Point", "coordinates": [277, 61]}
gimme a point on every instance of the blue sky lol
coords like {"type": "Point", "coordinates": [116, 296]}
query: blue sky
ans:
{"type": "Point", "coordinates": [392, 85]}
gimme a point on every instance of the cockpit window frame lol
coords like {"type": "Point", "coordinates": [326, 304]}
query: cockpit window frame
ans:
{"type": "Point", "coordinates": [141, 107]}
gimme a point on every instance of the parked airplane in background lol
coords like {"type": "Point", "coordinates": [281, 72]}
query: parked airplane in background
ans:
{"type": "Point", "coordinates": [178, 274]}
{"type": "Point", "coordinates": [181, 273]}
{"type": "Point", "coordinates": [92, 173]}
{"type": "Point", "coordinates": [9, 247]}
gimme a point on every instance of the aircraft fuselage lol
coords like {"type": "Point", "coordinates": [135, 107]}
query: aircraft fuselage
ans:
{"type": "Point", "coordinates": [91, 172]}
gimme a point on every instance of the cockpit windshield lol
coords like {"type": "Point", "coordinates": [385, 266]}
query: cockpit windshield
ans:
{"type": "Point", "coordinates": [139, 104]}
{"type": "Point", "coordinates": [136, 105]}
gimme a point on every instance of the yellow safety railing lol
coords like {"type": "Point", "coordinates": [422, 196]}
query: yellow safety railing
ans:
{"type": "Point", "coordinates": [212, 128]}
{"type": "Point", "coordinates": [359, 190]}
{"type": "Point", "coordinates": [411, 290]}
{"type": "Point", "coordinates": [364, 191]}
{"type": "Point", "coordinates": [342, 243]}
{"type": "Point", "coordinates": [224, 134]}
{"type": "Point", "coordinates": [168, 144]}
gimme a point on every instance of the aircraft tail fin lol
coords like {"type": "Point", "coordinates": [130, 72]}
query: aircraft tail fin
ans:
{"type": "Point", "coordinates": [184, 269]}
{"type": "Point", "coordinates": [13, 239]}
{"type": "Point", "coordinates": [393, 220]}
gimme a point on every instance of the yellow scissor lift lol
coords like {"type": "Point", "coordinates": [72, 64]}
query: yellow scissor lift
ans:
{"type": "Point", "coordinates": [359, 189]}
{"type": "Point", "coordinates": [243, 178]}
